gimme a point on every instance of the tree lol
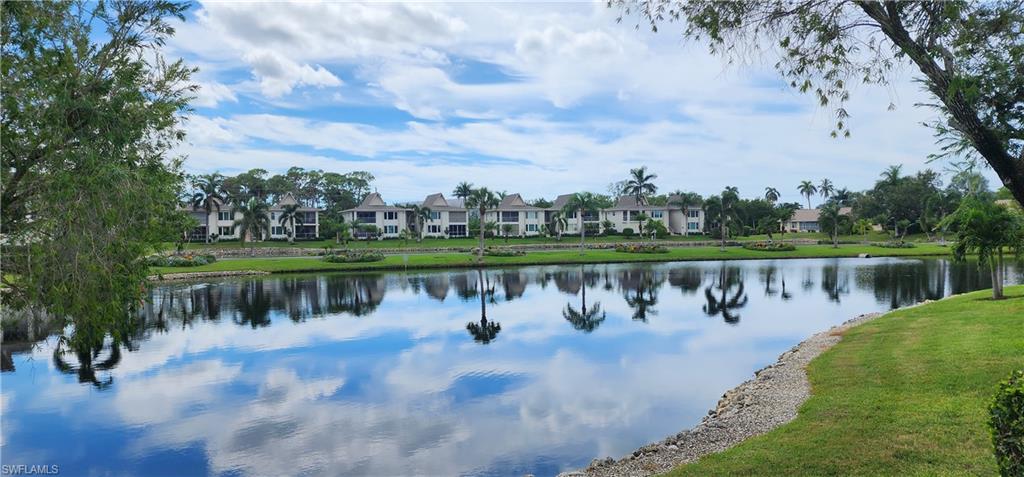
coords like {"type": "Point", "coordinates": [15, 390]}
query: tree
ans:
{"type": "Point", "coordinates": [582, 202]}
{"type": "Point", "coordinates": [807, 189]}
{"type": "Point", "coordinates": [485, 331]}
{"type": "Point", "coordinates": [968, 54]}
{"type": "Point", "coordinates": [559, 223]}
{"type": "Point", "coordinates": [830, 219]}
{"type": "Point", "coordinates": [506, 231]}
{"type": "Point", "coordinates": [685, 200]}
{"type": "Point", "coordinates": [985, 229]}
{"type": "Point", "coordinates": [463, 190]}
{"type": "Point", "coordinates": [826, 189]}
{"type": "Point", "coordinates": [89, 182]}
{"type": "Point", "coordinates": [209, 195]}
{"type": "Point", "coordinates": [892, 174]}
{"type": "Point", "coordinates": [862, 227]}
{"type": "Point", "coordinates": [722, 208]}
{"type": "Point", "coordinates": [640, 185]}
{"type": "Point", "coordinates": [641, 220]}
{"type": "Point", "coordinates": [583, 319]}
{"type": "Point", "coordinates": [420, 216]}
{"type": "Point", "coordinates": [255, 219]}
{"type": "Point", "coordinates": [482, 200]}
{"type": "Point", "coordinates": [771, 194]}
{"type": "Point", "coordinates": [290, 215]}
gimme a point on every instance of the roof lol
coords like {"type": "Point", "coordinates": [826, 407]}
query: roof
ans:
{"type": "Point", "coordinates": [289, 199]}
{"type": "Point", "coordinates": [628, 202]}
{"type": "Point", "coordinates": [437, 202]}
{"type": "Point", "coordinates": [560, 201]}
{"type": "Point", "coordinates": [373, 201]}
{"type": "Point", "coordinates": [812, 215]}
{"type": "Point", "coordinates": [515, 201]}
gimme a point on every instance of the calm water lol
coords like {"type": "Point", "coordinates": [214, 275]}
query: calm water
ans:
{"type": "Point", "coordinates": [500, 372]}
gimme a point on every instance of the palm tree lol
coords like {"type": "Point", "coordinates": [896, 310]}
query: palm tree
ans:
{"type": "Point", "coordinates": [826, 189]}
{"type": "Point", "coordinates": [209, 195]}
{"type": "Point", "coordinates": [684, 200]}
{"type": "Point", "coordinates": [420, 216]}
{"type": "Point", "coordinates": [891, 175]}
{"type": "Point", "coordinates": [583, 319]}
{"type": "Point", "coordinates": [807, 189]}
{"type": "Point", "coordinates": [463, 190]}
{"type": "Point", "coordinates": [984, 228]}
{"type": "Point", "coordinates": [582, 202]}
{"type": "Point", "coordinates": [831, 218]}
{"type": "Point", "coordinates": [291, 216]}
{"type": "Point", "coordinates": [862, 227]}
{"type": "Point", "coordinates": [723, 207]}
{"type": "Point", "coordinates": [559, 222]}
{"type": "Point", "coordinates": [255, 219]}
{"type": "Point", "coordinates": [772, 195]}
{"type": "Point", "coordinates": [482, 200]}
{"type": "Point", "coordinates": [640, 219]}
{"type": "Point", "coordinates": [639, 184]}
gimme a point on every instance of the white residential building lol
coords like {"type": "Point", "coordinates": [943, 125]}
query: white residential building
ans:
{"type": "Point", "coordinates": [221, 221]}
{"type": "Point", "coordinates": [390, 220]}
{"type": "Point", "coordinates": [523, 219]}
{"type": "Point", "coordinates": [449, 218]}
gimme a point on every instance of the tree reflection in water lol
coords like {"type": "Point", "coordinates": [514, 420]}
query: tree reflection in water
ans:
{"type": "Point", "coordinates": [834, 282]}
{"type": "Point", "coordinates": [726, 299]}
{"type": "Point", "coordinates": [485, 331]}
{"type": "Point", "coordinates": [88, 361]}
{"type": "Point", "coordinates": [640, 289]}
{"type": "Point", "coordinates": [583, 319]}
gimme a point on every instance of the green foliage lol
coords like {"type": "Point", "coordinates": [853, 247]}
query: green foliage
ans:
{"type": "Point", "coordinates": [893, 244]}
{"type": "Point", "coordinates": [499, 252]}
{"type": "Point", "coordinates": [640, 184]}
{"type": "Point", "coordinates": [769, 246]}
{"type": "Point", "coordinates": [179, 260]}
{"type": "Point", "coordinates": [608, 227]}
{"type": "Point", "coordinates": [627, 232]}
{"type": "Point", "coordinates": [91, 113]}
{"type": "Point", "coordinates": [354, 256]}
{"type": "Point", "coordinates": [1006, 420]}
{"type": "Point", "coordinates": [640, 248]}
{"type": "Point", "coordinates": [254, 220]}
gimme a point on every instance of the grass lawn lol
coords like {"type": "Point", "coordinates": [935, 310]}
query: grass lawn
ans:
{"type": "Point", "coordinates": [905, 394]}
{"type": "Point", "coordinates": [452, 260]}
{"type": "Point", "coordinates": [568, 239]}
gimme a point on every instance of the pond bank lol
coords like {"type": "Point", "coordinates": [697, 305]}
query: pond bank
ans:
{"type": "Point", "coordinates": [565, 257]}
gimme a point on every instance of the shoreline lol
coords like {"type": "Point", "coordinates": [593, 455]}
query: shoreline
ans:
{"type": "Point", "coordinates": [771, 399]}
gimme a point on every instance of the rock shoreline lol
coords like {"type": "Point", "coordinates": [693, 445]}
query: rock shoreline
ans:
{"type": "Point", "coordinates": [755, 407]}
{"type": "Point", "coordinates": [166, 277]}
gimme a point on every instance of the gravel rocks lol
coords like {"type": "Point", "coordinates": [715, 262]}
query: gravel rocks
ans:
{"type": "Point", "coordinates": [755, 407]}
{"type": "Point", "coordinates": [166, 277]}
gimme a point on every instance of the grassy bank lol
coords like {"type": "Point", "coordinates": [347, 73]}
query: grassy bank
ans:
{"type": "Point", "coordinates": [905, 394]}
{"type": "Point", "coordinates": [566, 239]}
{"type": "Point", "coordinates": [454, 260]}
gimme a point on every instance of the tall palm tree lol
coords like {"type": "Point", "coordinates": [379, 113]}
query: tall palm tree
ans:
{"type": "Point", "coordinates": [826, 189]}
{"type": "Point", "coordinates": [255, 219]}
{"type": "Point", "coordinates": [831, 219]}
{"type": "Point", "coordinates": [684, 200]}
{"type": "Point", "coordinates": [641, 220]}
{"type": "Point", "coordinates": [807, 189]}
{"type": "Point", "coordinates": [463, 190]}
{"type": "Point", "coordinates": [772, 195]}
{"type": "Point", "coordinates": [559, 222]}
{"type": "Point", "coordinates": [640, 184]}
{"type": "Point", "coordinates": [291, 216]}
{"type": "Point", "coordinates": [482, 200]}
{"type": "Point", "coordinates": [723, 208]}
{"type": "Point", "coordinates": [891, 174]}
{"type": "Point", "coordinates": [582, 202]}
{"type": "Point", "coordinates": [209, 195]}
{"type": "Point", "coordinates": [420, 216]}
{"type": "Point", "coordinates": [583, 319]}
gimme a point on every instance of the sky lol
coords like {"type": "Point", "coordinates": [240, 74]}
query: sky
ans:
{"type": "Point", "coordinates": [539, 98]}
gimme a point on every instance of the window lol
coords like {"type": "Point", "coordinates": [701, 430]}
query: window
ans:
{"type": "Point", "coordinates": [590, 216]}
{"type": "Point", "coordinates": [435, 215]}
{"type": "Point", "coordinates": [227, 231]}
{"type": "Point", "coordinates": [391, 229]}
{"type": "Point", "coordinates": [657, 214]}
{"type": "Point", "coordinates": [457, 217]}
{"type": "Point", "coordinates": [433, 229]}
{"type": "Point", "coordinates": [692, 226]}
{"type": "Point", "coordinates": [531, 216]}
{"type": "Point", "coordinates": [693, 213]}
{"type": "Point", "coordinates": [531, 227]}
{"type": "Point", "coordinates": [224, 216]}
{"type": "Point", "coordinates": [510, 216]}
{"type": "Point", "coordinates": [571, 215]}
{"type": "Point", "coordinates": [366, 217]}
{"type": "Point", "coordinates": [457, 230]}
{"type": "Point", "coordinates": [391, 215]}
{"type": "Point", "coordinates": [277, 231]}
{"type": "Point", "coordinates": [273, 216]}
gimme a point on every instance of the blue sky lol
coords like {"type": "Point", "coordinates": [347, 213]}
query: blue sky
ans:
{"type": "Point", "coordinates": [539, 99]}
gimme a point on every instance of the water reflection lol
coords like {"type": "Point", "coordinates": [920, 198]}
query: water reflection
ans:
{"type": "Point", "coordinates": [385, 374]}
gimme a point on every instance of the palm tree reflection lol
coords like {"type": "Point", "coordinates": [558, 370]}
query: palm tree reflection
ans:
{"type": "Point", "coordinates": [726, 299]}
{"type": "Point", "coordinates": [644, 289]}
{"type": "Point", "coordinates": [583, 319]}
{"type": "Point", "coordinates": [88, 361]}
{"type": "Point", "coordinates": [485, 331]}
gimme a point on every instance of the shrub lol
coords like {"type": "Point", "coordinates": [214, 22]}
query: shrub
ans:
{"type": "Point", "coordinates": [188, 260]}
{"type": "Point", "coordinates": [894, 244]}
{"type": "Point", "coordinates": [1007, 423]}
{"type": "Point", "coordinates": [354, 256]}
{"type": "Point", "coordinates": [769, 246]}
{"type": "Point", "coordinates": [498, 252]}
{"type": "Point", "coordinates": [640, 248]}
{"type": "Point", "coordinates": [627, 232]}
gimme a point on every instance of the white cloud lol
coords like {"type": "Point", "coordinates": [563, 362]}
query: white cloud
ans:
{"type": "Point", "coordinates": [212, 93]}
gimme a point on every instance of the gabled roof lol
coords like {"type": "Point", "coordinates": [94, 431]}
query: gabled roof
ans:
{"type": "Point", "coordinates": [813, 215]}
{"type": "Point", "coordinates": [437, 202]}
{"type": "Point", "coordinates": [373, 201]}
{"type": "Point", "coordinates": [515, 201]}
{"type": "Point", "coordinates": [560, 201]}
{"type": "Point", "coordinates": [628, 202]}
{"type": "Point", "coordinates": [289, 199]}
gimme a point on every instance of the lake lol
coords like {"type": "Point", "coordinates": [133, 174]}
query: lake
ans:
{"type": "Point", "coordinates": [531, 370]}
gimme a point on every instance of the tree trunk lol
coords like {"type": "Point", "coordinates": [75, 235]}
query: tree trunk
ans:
{"type": "Point", "coordinates": [994, 272]}
{"type": "Point", "coordinates": [835, 236]}
{"type": "Point", "coordinates": [480, 253]}
{"type": "Point", "coordinates": [583, 232]}
{"type": "Point", "coordinates": [722, 233]}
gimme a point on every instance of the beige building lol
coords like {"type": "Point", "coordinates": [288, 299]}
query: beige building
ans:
{"type": "Point", "coordinates": [449, 218]}
{"type": "Point", "coordinates": [807, 220]}
{"type": "Point", "coordinates": [524, 219]}
{"type": "Point", "coordinates": [626, 212]}
{"type": "Point", "coordinates": [222, 222]}
{"type": "Point", "coordinates": [390, 220]}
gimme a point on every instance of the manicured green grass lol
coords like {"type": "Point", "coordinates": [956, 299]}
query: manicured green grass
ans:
{"type": "Point", "coordinates": [452, 260]}
{"type": "Point", "coordinates": [566, 239]}
{"type": "Point", "coordinates": [905, 394]}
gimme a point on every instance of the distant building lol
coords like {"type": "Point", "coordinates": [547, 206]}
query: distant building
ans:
{"type": "Point", "coordinates": [222, 222]}
{"type": "Point", "coordinates": [524, 219]}
{"type": "Point", "coordinates": [449, 218]}
{"type": "Point", "coordinates": [807, 220]}
{"type": "Point", "coordinates": [389, 220]}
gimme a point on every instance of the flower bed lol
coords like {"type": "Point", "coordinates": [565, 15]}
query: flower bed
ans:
{"type": "Point", "coordinates": [499, 252]}
{"type": "Point", "coordinates": [354, 257]}
{"type": "Point", "coordinates": [188, 260]}
{"type": "Point", "coordinates": [641, 248]}
{"type": "Point", "coordinates": [894, 244]}
{"type": "Point", "coordinates": [770, 246]}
